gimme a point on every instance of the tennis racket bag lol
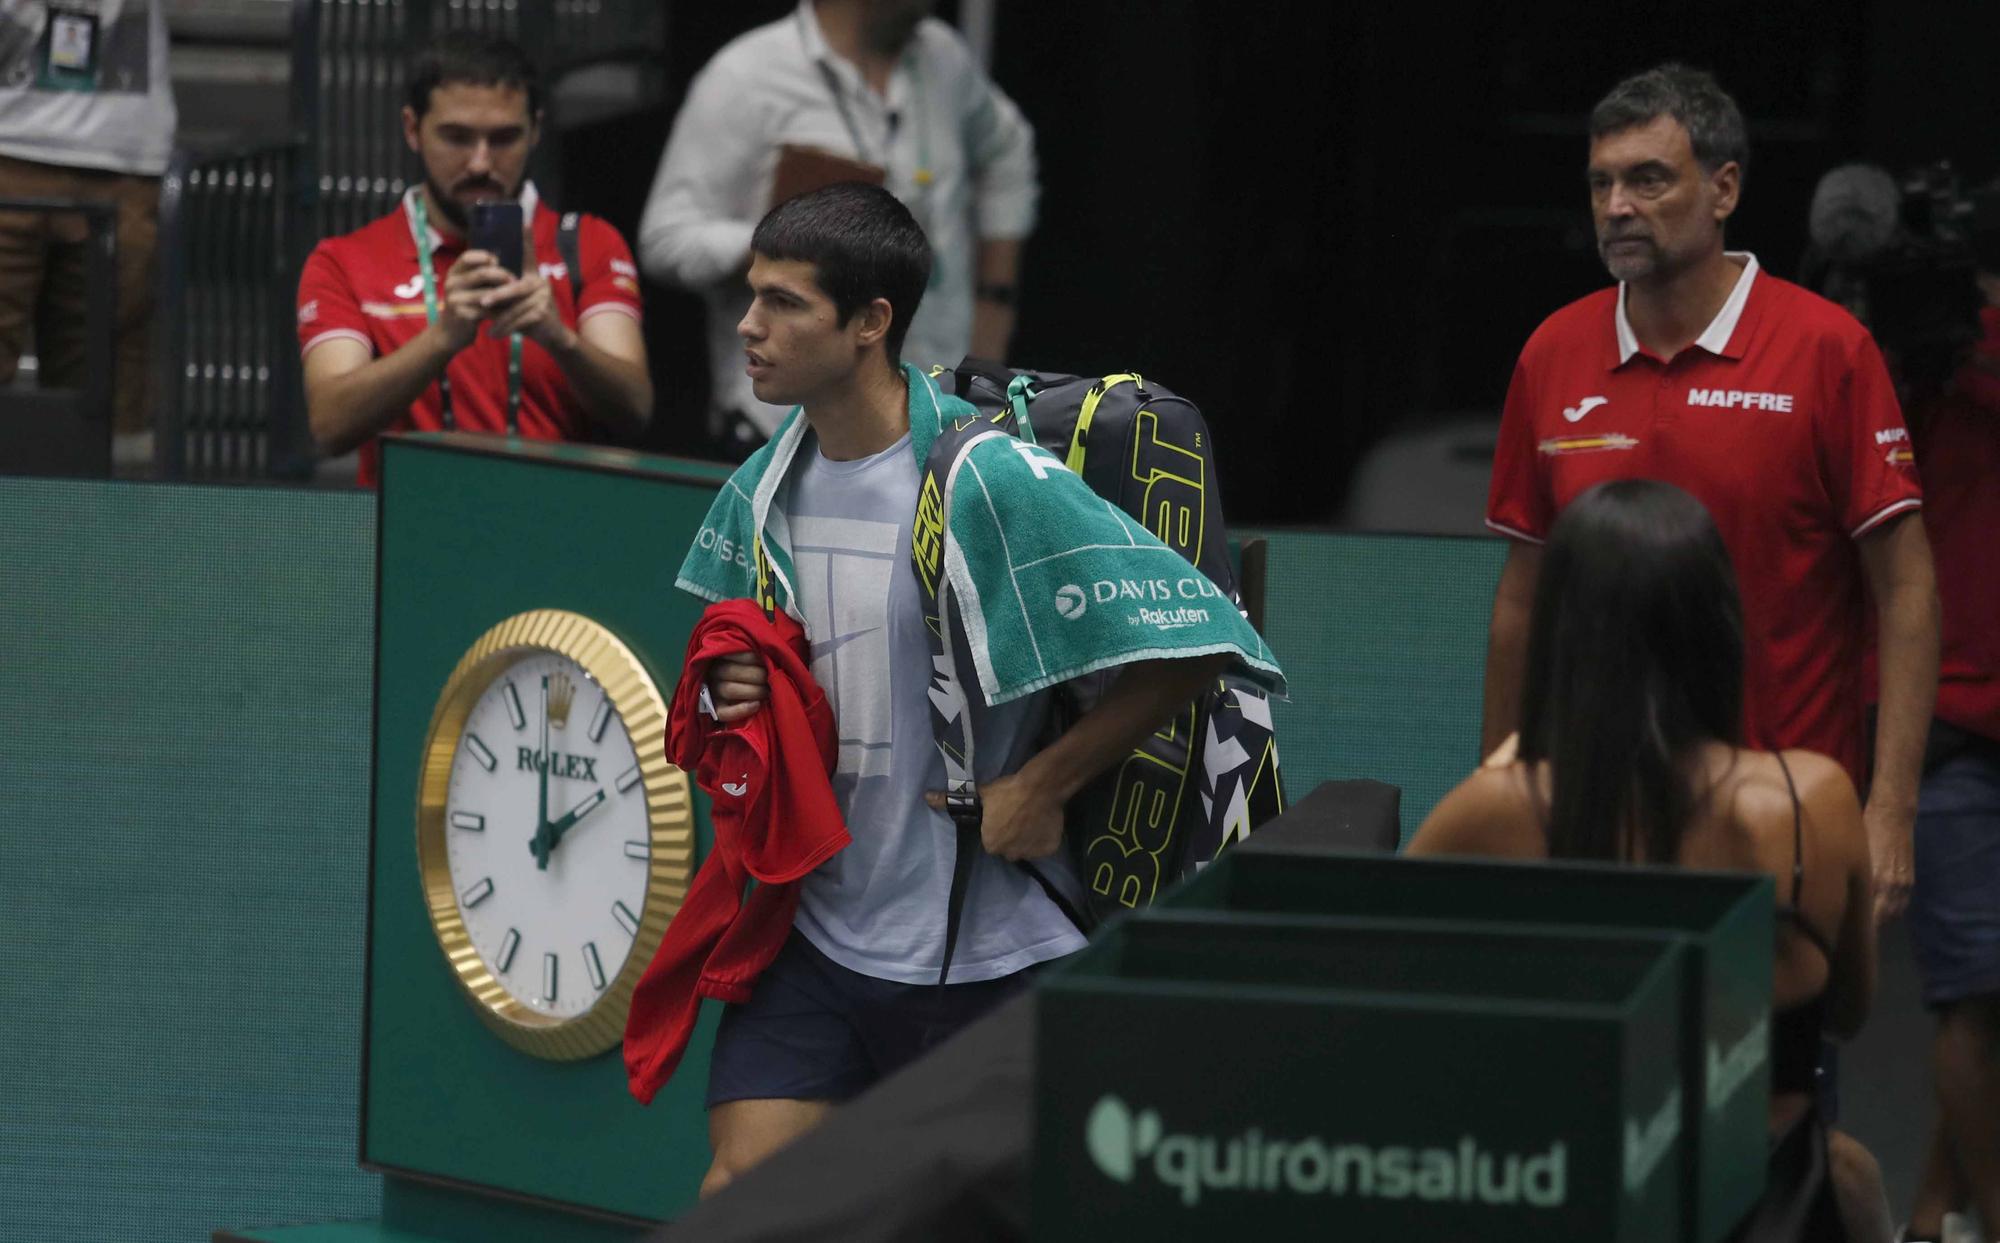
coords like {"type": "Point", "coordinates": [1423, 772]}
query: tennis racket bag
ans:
{"type": "Point", "coordinates": [1210, 775]}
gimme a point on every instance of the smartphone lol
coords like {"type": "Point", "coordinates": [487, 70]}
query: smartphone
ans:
{"type": "Point", "coordinates": [496, 229]}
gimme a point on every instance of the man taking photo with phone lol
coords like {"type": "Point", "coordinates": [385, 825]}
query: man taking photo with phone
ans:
{"type": "Point", "coordinates": [472, 306]}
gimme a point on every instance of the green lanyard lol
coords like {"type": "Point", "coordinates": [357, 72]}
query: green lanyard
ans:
{"type": "Point", "coordinates": [420, 227]}
{"type": "Point", "coordinates": [921, 177]}
{"type": "Point", "coordinates": [923, 174]}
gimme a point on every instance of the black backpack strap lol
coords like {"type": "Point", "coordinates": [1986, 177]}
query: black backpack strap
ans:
{"type": "Point", "coordinates": [951, 725]}
{"type": "Point", "coordinates": [995, 373]}
{"type": "Point", "coordinates": [951, 718]}
{"type": "Point", "coordinates": [568, 248]}
{"type": "Point", "coordinates": [1082, 922]}
{"type": "Point", "coordinates": [989, 386]}
{"type": "Point", "coordinates": [967, 855]}
{"type": "Point", "coordinates": [965, 814]}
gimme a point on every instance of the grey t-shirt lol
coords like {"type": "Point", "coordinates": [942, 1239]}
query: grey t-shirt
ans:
{"type": "Point", "coordinates": [878, 907]}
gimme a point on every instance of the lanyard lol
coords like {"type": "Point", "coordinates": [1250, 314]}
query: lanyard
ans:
{"type": "Point", "coordinates": [420, 228]}
{"type": "Point", "coordinates": [921, 177]}
{"type": "Point", "coordinates": [923, 174]}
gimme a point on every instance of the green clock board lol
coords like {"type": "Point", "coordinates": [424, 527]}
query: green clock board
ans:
{"type": "Point", "coordinates": [481, 1074]}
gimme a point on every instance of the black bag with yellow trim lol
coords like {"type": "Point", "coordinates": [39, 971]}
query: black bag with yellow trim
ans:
{"type": "Point", "coordinates": [1211, 774]}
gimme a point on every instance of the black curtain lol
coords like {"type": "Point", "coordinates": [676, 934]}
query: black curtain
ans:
{"type": "Point", "coordinates": [1328, 223]}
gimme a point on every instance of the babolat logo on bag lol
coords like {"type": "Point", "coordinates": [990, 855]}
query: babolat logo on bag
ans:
{"type": "Point", "coordinates": [1128, 1147]}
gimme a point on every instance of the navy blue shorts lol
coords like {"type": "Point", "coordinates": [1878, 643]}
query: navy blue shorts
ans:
{"type": "Point", "coordinates": [1955, 903]}
{"type": "Point", "coordinates": [815, 1031]}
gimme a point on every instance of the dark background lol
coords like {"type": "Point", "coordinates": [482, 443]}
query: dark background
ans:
{"type": "Point", "coordinates": [1329, 224]}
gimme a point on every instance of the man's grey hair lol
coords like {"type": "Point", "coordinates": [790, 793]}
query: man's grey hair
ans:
{"type": "Point", "coordinates": [1690, 96]}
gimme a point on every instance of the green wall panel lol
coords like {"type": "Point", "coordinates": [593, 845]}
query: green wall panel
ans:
{"type": "Point", "coordinates": [472, 533]}
{"type": "Point", "coordinates": [1383, 640]}
{"type": "Point", "coordinates": [186, 684]}
{"type": "Point", "coordinates": [185, 876]}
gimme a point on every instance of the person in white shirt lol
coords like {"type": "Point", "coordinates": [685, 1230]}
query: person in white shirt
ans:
{"type": "Point", "coordinates": [877, 82]}
{"type": "Point", "coordinates": [86, 114]}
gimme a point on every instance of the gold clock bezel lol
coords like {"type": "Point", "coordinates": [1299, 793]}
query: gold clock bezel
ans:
{"type": "Point", "coordinates": [669, 814]}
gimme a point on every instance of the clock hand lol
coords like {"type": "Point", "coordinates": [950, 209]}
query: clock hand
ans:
{"type": "Point", "coordinates": [575, 814]}
{"type": "Point", "coordinates": [544, 839]}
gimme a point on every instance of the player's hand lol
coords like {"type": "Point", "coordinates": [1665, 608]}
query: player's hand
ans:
{"type": "Point", "coordinates": [1892, 855]}
{"type": "Point", "coordinates": [466, 285]}
{"type": "Point", "coordinates": [738, 683]}
{"type": "Point", "coordinates": [1020, 818]}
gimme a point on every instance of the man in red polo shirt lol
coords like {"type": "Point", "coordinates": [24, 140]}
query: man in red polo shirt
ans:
{"type": "Point", "coordinates": [1769, 404]}
{"type": "Point", "coordinates": [404, 329]}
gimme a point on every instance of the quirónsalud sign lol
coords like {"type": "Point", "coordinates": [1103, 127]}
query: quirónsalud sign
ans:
{"type": "Point", "coordinates": [1205, 1070]}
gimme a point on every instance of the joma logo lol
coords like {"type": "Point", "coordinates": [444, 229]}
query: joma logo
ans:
{"type": "Point", "coordinates": [582, 767]}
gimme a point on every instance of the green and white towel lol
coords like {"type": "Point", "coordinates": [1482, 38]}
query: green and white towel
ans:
{"type": "Point", "coordinates": [1052, 581]}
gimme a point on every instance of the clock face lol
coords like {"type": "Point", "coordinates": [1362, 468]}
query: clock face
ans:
{"type": "Point", "coordinates": [554, 839]}
{"type": "Point", "coordinates": [552, 913]}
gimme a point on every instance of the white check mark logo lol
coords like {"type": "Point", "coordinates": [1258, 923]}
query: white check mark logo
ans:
{"type": "Point", "coordinates": [1573, 413]}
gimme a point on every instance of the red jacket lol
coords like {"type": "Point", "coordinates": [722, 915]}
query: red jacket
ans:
{"type": "Point", "coordinates": [775, 819]}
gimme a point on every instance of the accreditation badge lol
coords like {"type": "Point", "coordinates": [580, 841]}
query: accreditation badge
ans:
{"type": "Point", "coordinates": [69, 50]}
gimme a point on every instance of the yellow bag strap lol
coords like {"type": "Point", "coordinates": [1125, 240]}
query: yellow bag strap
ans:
{"type": "Point", "coordinates": [1089, 410]}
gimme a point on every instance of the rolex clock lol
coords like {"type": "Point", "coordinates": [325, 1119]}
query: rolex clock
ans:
{"type": "Point", "coordinates": [554, 839]}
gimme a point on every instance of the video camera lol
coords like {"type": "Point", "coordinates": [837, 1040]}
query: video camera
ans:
{"type": "Point", "coordinates": [1904, 258]}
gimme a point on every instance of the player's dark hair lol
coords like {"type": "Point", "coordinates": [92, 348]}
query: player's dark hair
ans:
{"type": "Point", "coordinates": [1635, 658]}
{"type": "Point", "coordinates": [473, 59]}
{"type": "Point", "coordinates": [863, 245]}
{"type": "Point", "coordinates": [1690, 96]}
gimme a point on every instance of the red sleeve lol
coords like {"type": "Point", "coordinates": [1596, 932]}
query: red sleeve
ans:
{"type": "Point", "coordinates": [1518, 503]}
{"type": "Point", "coordinates": [1870, 467]}
{"type": "Point", "coordinates": [327, 308]}
{"type": "Point", "coordinates": [610, 281]}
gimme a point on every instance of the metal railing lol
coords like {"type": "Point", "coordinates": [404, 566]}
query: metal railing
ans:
{"type": "Point", "coordinates": [229, 384]}
{"type": "Point", "coordinates": [362, 46]}
{"type": "Point", "coordinates": [234, 228]}
{"type": "Point", "coordinates": [359, 50]}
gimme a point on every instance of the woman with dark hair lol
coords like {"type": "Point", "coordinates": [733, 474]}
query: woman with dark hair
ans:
{"type": "Point", "coordinates": [1630, 750]}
